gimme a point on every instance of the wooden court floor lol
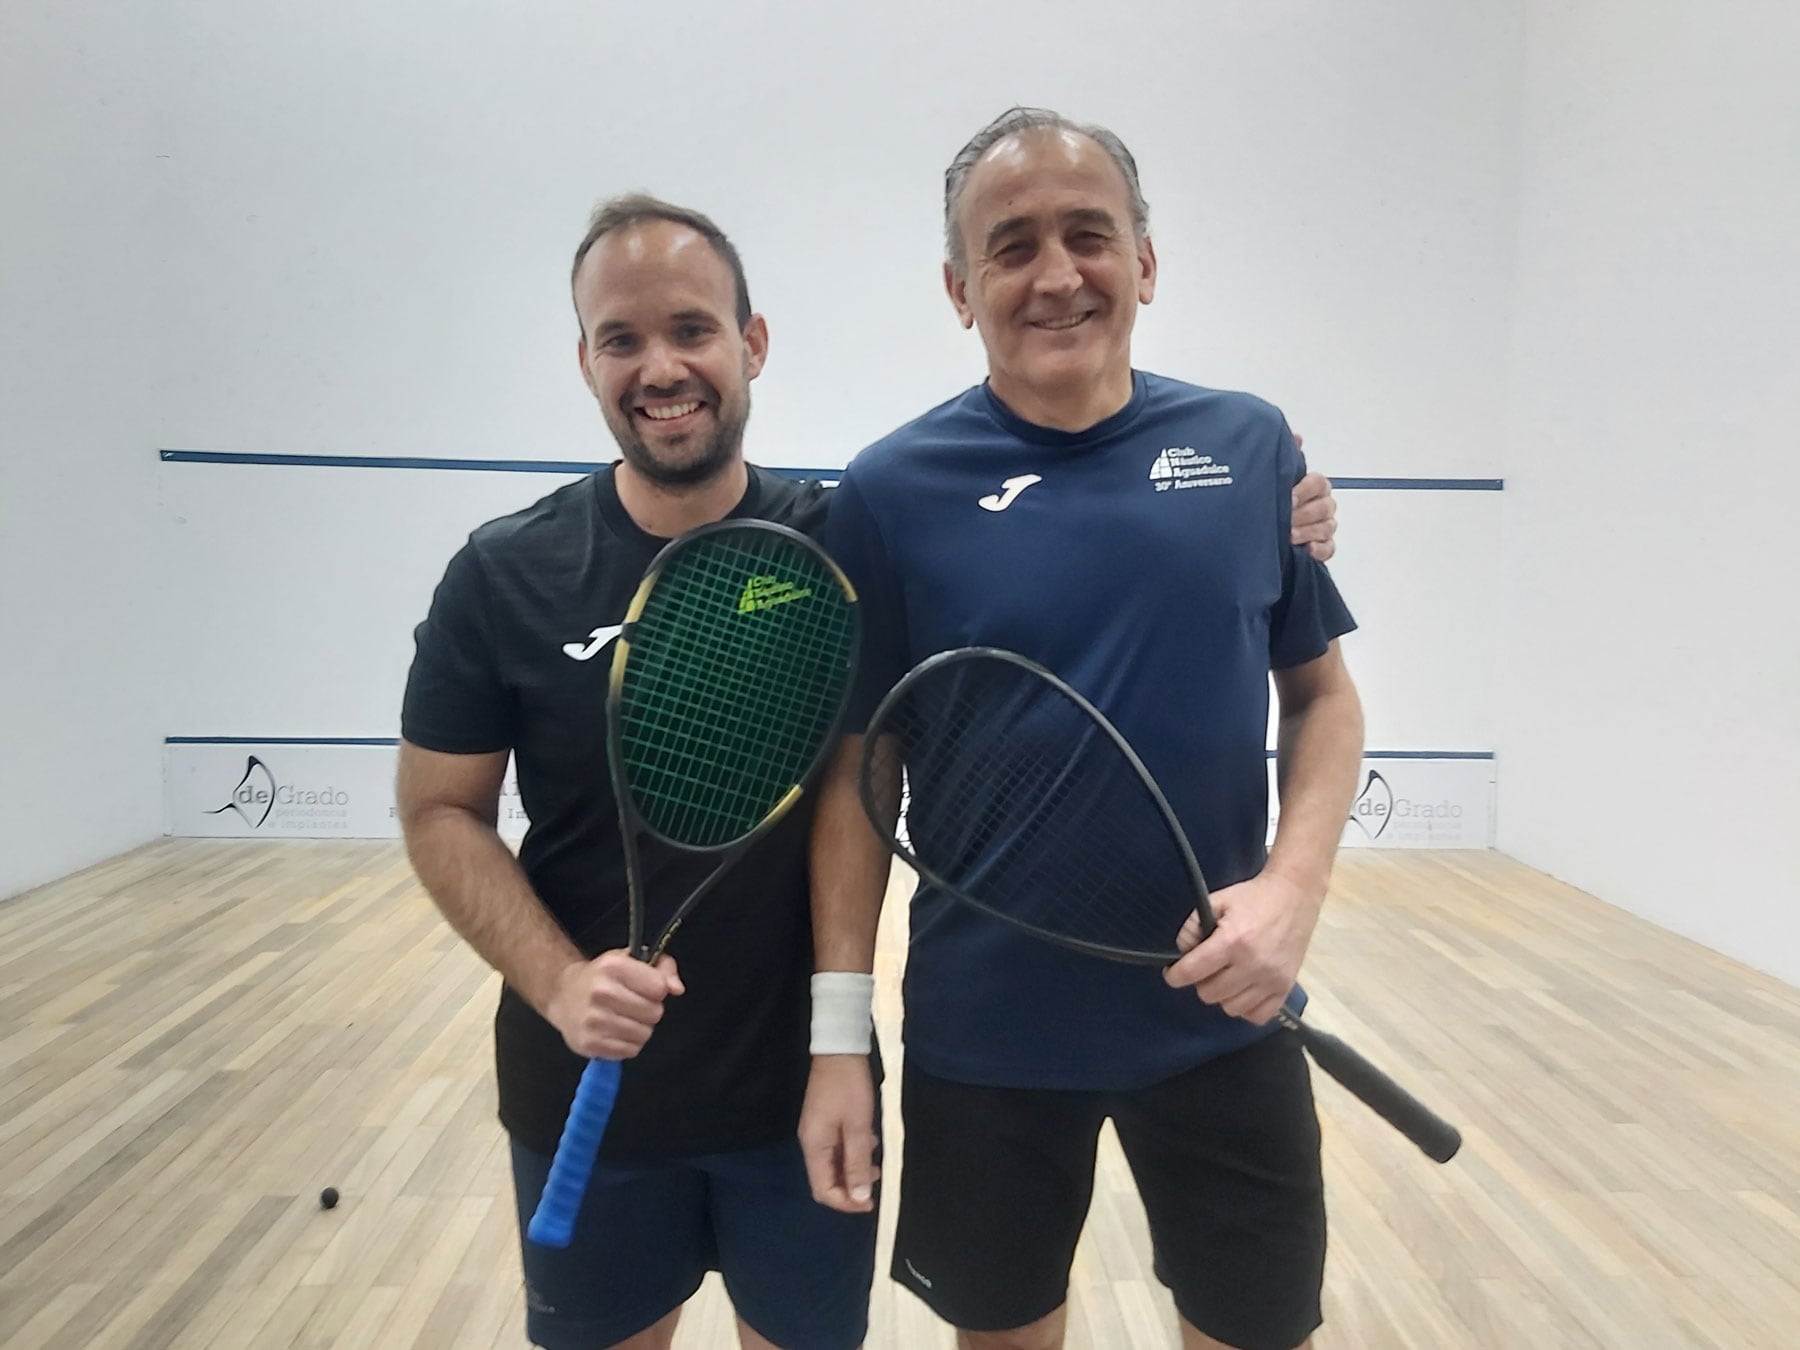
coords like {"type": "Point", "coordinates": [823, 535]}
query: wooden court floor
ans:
{"type": "Point", "coordinates": [198, 1036]}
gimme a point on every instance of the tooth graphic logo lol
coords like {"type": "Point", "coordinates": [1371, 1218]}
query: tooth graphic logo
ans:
{"type": "Point", "coordinates": [586, 651]}
{"type": "Point", "coordinates": [254, 796]}
{"type": "Point", "coordinates": [1009, 493]}
{"type": "Point", "coordinates": [1374, 805]}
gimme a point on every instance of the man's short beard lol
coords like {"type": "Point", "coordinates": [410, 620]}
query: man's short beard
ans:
{"type": "Point", "coordinates": [724, 446]}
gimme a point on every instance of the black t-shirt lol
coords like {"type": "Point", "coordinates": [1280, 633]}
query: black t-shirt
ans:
{"type": "Point", "coordinates": [515, 654]}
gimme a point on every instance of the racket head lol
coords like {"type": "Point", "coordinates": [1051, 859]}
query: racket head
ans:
{"type": "Point", "coordinates": [728, 682]}
{"type": "Point", "coordinates": [1025, 802]}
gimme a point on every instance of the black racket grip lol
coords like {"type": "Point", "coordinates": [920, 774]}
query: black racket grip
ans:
{"type": "Point", "coordinates": [1437, 1138]}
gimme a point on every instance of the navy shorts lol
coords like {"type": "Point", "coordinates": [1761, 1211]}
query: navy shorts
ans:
{"type": "Point", "coordinates": [797, 1272]}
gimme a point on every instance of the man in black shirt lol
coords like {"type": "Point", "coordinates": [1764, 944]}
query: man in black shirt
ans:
{"type": "Point", "coordinates": [700, 1167]}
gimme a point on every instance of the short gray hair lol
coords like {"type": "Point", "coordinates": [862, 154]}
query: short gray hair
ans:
{"type": "Point", "coordinates": [1014, 122]}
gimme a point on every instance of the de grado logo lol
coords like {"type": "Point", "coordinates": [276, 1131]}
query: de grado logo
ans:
{"type": "Point", "coordinates": [258, 799]}
{"type": "Point", "coordinates": [1378, 810]}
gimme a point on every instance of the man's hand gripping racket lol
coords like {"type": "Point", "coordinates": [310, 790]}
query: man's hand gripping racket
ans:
{"type": "Point", "coordinates": [1025, 802]}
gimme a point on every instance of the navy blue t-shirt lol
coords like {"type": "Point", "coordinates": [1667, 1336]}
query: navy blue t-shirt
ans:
{"type": "Point", "coordinates": [1146, 561]}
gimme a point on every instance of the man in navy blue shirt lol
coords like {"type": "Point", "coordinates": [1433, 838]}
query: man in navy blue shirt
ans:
{"type": "Point", "coordinates": [1132, 533]}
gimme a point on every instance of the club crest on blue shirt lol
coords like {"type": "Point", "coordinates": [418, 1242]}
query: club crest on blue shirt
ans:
{"type": "Point", "coordinates": [1185, 467]}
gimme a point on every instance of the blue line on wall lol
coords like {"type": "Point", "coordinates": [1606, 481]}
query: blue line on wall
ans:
{"type": "Point", "coordinates": [1421, 754]}
{"type": "Point", "coordinates": [574, 467]}
{"type": "Point", "coordinates": [1419, 484]}
{"type": "Point", "coordinates": [391, 741]}
{"type": "Point", "coordinates": [280, 740]}
{"type": "Point", "coordinates": [566, 466]}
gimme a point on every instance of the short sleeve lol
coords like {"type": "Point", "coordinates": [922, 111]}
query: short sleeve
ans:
{"type": "Point", "coordinates": [853, 538]}
{"type": "Point", "coordinates": [456, 701]}
{"type": "Point", "coordinates": [1310, 613]}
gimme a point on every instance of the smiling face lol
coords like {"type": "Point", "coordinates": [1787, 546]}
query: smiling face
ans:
{"type": "Point", "coordinates": [662, 351]}
{"type": "Point", "coordinates": [1054, 275]}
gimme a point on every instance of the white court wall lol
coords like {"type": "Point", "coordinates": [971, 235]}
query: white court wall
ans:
{"type": "Point", "coordinates": [1651, 724]}
{"type": "Point", "coordinates": [81, 656]}
{"type": "Point", "coordinates": [301, 587]}
{"type": "Point", "coordinates": [361, 218]}
{"type": "Point", "coordinates": [373, 251]}
{"type": "Point", "coordinates": [376, 205]}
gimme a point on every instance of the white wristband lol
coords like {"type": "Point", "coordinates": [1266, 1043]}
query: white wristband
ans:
{"type": "Point", "coordinates": [843, 1004]}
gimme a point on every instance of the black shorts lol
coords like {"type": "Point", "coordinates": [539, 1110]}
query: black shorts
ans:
{"type": "Point", "coordinates": [995, 1184]}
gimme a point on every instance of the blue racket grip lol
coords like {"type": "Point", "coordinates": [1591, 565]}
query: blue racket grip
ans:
{"type": "Point", "coordinates": [554, 1223]}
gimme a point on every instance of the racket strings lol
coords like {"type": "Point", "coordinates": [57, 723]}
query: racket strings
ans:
{"type": "Point", "coordinates": [1020, 802]}
{"type": "Point", "coordinates": [790, 693]}
{"type": "Point", "coordinates": [737, 666]}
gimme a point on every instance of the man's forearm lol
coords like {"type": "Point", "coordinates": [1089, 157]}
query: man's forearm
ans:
{"type": "Point", "coordinates": [1317, 758]}
{"type": "Point", "coordinates": [849, 868]}
{"type": "Point", "coordinates": [478, 884]}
